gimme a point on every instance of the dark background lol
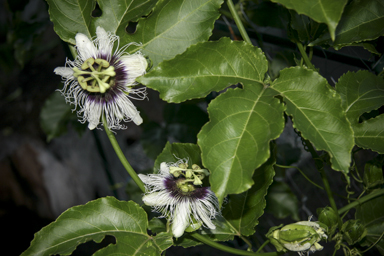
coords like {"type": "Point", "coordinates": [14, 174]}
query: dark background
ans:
{"type": "Point", "coordinates": [41, 179]}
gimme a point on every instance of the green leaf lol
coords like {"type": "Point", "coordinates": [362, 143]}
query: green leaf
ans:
{"type": "Point", "coordinates": [176, 151]}
{"type": "Point", "coordinates": [303, 29]}
{"type": "Point", "coordinates": [173, 26]}
{"type": "Point", "coordinates": [362, 92]}
{"type": "Point", "coordinates": [361, 21]}
{"type": "Point", "coordinates": [207, 67]}
{"type": "Point", "coordinates": [116, 14]}
{"type": "Point", "coordinates": [370, 134]}
{"type": "Point", "coordinates": [236, 139]}
{"type": "Point", "coordinates": [126, 221]}
{"type": "Point", "coordinates": [371, 215]}
{"type": "Point", "coordinates": [373, 176]}
{"type": "Point", "coordinates": [54, 116]}
{"type": "Point", "coordinates": [317, 113]}
{"type": "Point", "coordinates": [244, 210]}
{"type": "Point", "coordinates": [71, 17]}
{"type": "Point", "coordinates": [323, 11]}
{"type": "Point", "coordinates": [281, 202]}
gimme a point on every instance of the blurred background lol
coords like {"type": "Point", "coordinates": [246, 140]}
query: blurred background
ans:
{"type": "Point", "coordinates": [47, 167]}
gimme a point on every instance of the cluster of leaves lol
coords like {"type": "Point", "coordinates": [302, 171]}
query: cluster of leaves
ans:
{"type": "Point", "coordinates": [236, 144]}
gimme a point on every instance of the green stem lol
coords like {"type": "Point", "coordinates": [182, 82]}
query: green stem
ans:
{"type": "Point", "coordinates": [320, 167]}
{"type": "Point", "coordinates": [262, 246]}
{"type": "Point", "coordinates": [364, 199]}
{"type": "Point", "coordinates": [121, 156]}
{"type": "Point", "coordinates": [302, 173]}
{"type": "Point", "coordinates": [305, 56]}
{"type": "Point", "coordinates": [238, 22]}
{"type": "Point", "coordinates": [224, 248]}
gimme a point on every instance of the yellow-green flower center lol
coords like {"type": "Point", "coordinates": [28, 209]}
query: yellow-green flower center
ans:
{"type": "Point", "coordinates": [96, 75]}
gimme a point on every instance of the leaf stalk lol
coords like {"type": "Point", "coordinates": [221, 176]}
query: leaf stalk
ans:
{"type": "Point", "coordinates": [238, 22]}
{"type": "Point", "coordinates": [305, 56]}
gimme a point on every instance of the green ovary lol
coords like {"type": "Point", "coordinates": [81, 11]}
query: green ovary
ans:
{"type": "Point", "coordinates": [96, 75]}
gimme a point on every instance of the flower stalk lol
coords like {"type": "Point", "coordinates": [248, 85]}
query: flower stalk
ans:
{"type": "Point", "coordinates": [121, 156]}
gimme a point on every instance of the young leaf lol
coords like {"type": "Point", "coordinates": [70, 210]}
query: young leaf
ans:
{"type": "Point", "coordinates": [207, 67]}
{"type": "Point", "coordinates": [317, 113]}
{"type": "Point", "coordinates": [361, 21]}
{"type": "Point", "coordinates": [71, 17]}
{"type": "Point", "coordinates": [236, 139]}
{"type": "Point", "coordinates": [244, 210]}
{"type": "Point", "coordinates": [323, 11]}
{"type": "Point", "coordinates": [126, 221]}
{"type": "Point", "coordinates": [173, 26]}
{"type": "Point", "coordinates": [362, 92]}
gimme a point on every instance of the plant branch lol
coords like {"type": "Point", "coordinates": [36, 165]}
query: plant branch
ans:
{"type": "Point", "coordinates": [121, 156]}
{"type": "Point", "coordinates": [364, 199]}
{"type": "Point", "coordinates": [224, 248]}
{"type": "Point", "coordinates": [305, 56]}
{"type": "Point", "coordinates": [238, 22]}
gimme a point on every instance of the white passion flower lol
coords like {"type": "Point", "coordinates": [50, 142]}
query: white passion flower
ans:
{"type": "Point", "coordinates": [174, 193]}
{"type": "Point", "coordinates": [99, 81]}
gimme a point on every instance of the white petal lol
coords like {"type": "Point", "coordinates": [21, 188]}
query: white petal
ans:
{"type": "Point", "coordinates": [105, 43]}
{"type": "Point", "coordinates": [181, 219]}
{"type": "Point", "coordinates": [136, 65]}
{"type": "Point", "coordinates": [91, 113]}
{"type": "Point", "coordinates": [203, 214]}
{"type": "Point", "coordinates": [164, 168]}
{"type": "Point", "coordinates": [93, 125]}
{"type": "Point", "coordinates": [296, 247]}
{"type": "Point", "coordinates": [145, 178]}
{"type": "Point", "coordinates": [64, 72]}
{"type": "Point", "coordinates": [157, 199]}
{"type": "Point", "coordinates": [85, 47]}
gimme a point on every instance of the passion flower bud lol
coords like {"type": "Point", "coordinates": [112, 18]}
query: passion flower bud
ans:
{"type": "Point", "coordinates": [328, 217]}
{"type": "Point", "coordinates": [300, 237]}
{"type": "Point", "coordinates": [353, 231]}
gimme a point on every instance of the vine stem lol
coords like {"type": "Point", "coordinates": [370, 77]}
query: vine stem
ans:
{"type": "Point", "coordinates": [224, 248]}
{"type": "Point", "coordinates": [327, 187]}
{"type": "Point", "coordinates": [238, 22]}
{"type": "Point", "coordinates": [305, 56]}
{"type": "Point", "coordinates": [302, 173]}
{"type": "Point", "coordinates": [364, 199]}
{"type": "Point", "coordinates": [121, 156]}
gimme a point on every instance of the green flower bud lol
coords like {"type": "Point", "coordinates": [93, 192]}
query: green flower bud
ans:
{"type": "Point", "coordinates": [328, 217]}
{"type": "Point", "coordinates": [300, 236]}
{"type": "Point", "coordinates": [353, 231]}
